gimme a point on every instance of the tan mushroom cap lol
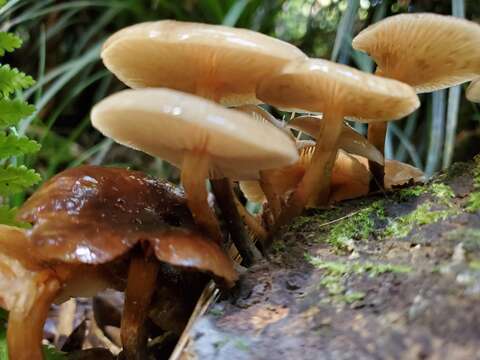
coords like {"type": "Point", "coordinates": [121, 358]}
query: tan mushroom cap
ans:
{"type": "Point", "coordinates": [196, 58]}
{"type": "Point", "coordinates": [313, 85]}
{"type": "Point", "coordinates": [426, 51]}
{"type": "Point", "coordinates": [473, 91]}
{"type": "Point", "coordinates": [350, 140]}
{"type": "Point", "coordinates": [168, 123]}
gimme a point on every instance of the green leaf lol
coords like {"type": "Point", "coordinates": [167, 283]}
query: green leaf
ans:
{"type": "Point", "coordinates": [51, 353]}
{"type": "Point", "coordinates": [9, 42]}
{"type": "Point", "coordinates": [8, 217]}
{"type": "Point", "coordinates": [14, 179]}
{"type": "Point", "coordinates": [14, 145]}
{"type": "Point", "coordinates": [3, 343]}
{"type": "Point", "coordinates": [12, 111]}
{"type": "Point", "coordinates": [13, 79]}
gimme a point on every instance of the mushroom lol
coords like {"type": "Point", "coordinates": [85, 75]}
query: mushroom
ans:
{"type": "Point", "coordinates": [443, 51]}
{"type": "Point", "coordinates": [350, 140]}
{"type": "Point", "coordinates": [350, 178]}
{"type": "Point", "coordinates": [220, 63]}
{"type": "Point", "coordinates": [398, 173]}
{"type": "Point", "coordinates": [28, 286]}
{"type": "Point", "coordinates": [202, 138]}
{"type": "Point", "coordinates": [473, 91]}
{"type": "Point", "coordinates": [337, 91]}
{"type": "Point", "coordinates": [91, 216]}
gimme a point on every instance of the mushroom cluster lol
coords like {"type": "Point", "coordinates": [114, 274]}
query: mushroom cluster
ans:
{"type": "Point", "coordinates": [94, 228]}
{"type": "Point", "coordinates": [194, 102]}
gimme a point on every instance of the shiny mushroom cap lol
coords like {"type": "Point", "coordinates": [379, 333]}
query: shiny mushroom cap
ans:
{"type": "Point", "coordinates": [473, 91]}
{"type": "Point", "coordinates": [350, 140]}
{"type": "Point", "coordinates": [167, 124]}
{"type": "Point", "coordinates": [94, 214]}
{"type": "Point", "coordinates": [217, 62]}
{"type": "Point", "coordinates": [426, 51]}
{"type": "Point", "coordinates": [317, 85]}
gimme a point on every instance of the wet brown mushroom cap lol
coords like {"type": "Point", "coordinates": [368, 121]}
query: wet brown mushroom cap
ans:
{"type": "Point", "coordinates": [93, 214]}
{"type": "Point", "coordinates": [442, 50]}
{"type": "Point", "coordinates": [473, 91]}
{"type": "Point", "coordinates": [190, 250]}
{"type": "Point", "coordinates": [221, 63]}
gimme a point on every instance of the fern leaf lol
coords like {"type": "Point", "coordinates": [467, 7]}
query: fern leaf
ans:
{"type": "Point", "coordinates": [12, 111]}
{"type": "Point", "coordinates": [14, 145]}
{"type": "Point", "coordinates": [8, 217]}
{"type": "Point", "coordinates": [11, 79]}
{"type": "Point", "coordinates": [14, 179]}
{"type": "Point", "coordinates": [9, 42]}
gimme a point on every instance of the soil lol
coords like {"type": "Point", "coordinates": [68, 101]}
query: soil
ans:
{"type": "Point", "coordinates": [391, 276]}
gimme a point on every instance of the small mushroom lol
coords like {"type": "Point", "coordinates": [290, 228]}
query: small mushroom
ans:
{"type": "Point", "coordinates": [337, 91]}
{"type": "Point", "coordinates": [89, 217]}
{"type": "Point", "coordinates": [219, 63]}
{"type": "Point", "coordinates": [202, 138]}
{"type": "Point", "coordinates": [350, 178]}
{"type": "Point", "coordinates": [398, 173]}
{"type": "Point", "coordinates": [473, 91]}
{"type": "Point", "coordinates": [443, 51]}
{"type": "Point", "coordinates": [28, 286]}
{"type": "Point", "coordinates": [350, 140]}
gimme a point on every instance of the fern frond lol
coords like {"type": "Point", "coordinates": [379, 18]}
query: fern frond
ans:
{"type": "Point", "coordinates": [9, 42]}
{"type": "Point", "coordinates": [15, 179]}
{"type": "Point", "coordinates": [8, 217]}
{"type": "Point", "coordinates": [12, 111]}
{"type": "Point", "coordinates": [14, 145]}
{"type": "Point", "coordinates": [11, 79]}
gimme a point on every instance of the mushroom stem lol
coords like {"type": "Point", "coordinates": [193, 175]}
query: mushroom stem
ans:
{"type": "Point", "coordinates": [315, 184]}
{"type": "Point", "coordinates": [252, 223]}
{"type": "Point", "coordinates": [377, 132]}
{"type": "Point", "coordinates": [273, 198]}
{"type": "Point", "coordinates": [194, 174]}
{"type": "Point", "coordinates": [222, 189]}
{"type": "Point", "coordinates": [25, 326]}
{"type": "Point", "coordinates": [142, 276]}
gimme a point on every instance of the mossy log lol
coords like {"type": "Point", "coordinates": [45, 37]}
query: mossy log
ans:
{"type": "Point", "coordinates": [395, 276]}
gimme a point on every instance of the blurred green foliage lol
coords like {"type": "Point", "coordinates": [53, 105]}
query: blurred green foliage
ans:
{"type": "Point", "coordinates": [63, 39]}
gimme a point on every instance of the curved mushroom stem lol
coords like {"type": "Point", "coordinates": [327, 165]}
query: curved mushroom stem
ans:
{"type": "Point", "coordinates": [273, 198]}
{"type": "Point", "coordinates": [142, 276]}
{"type": "Point", "coordinates": [222, 189]}
{"type": "Point", "coordinates": [194, 175]}
{"type": "Point", "coordinates": [25, 327]}
{"type": "Point", "coordinates": [252, 223]}
{"type": "Point", "coordinates": [315, 184]}
{"type": "Point", "coordinates": [376, 136]}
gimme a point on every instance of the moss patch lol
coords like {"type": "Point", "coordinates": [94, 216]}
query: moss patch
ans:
{"type": "Point", "coordinates": [356, 227]}
{"type": "Point", "coordinates": [335, 273]}
{"type": "Point", "coordinates": [473, 202]}
{"type": "Point", "coordinates": [422, 215]}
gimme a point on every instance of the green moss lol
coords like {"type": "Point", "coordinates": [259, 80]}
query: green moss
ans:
{"type": "Point", "coordinates": [474, 265]}
{"type": "Point", "coordinates": [410, 192]}
{"type": "Point", "coordinates": [469, 237]}
{"type": "Point", "coordinates": [473, 202]}
{"type": "Point", "coordinates": [356, 227]}
{"type": "Point", "coordinates": [336, 271]}
{"type": "Point", "coordinates": [298, 224]}
{"type": "Point", "coordinates": [442, 192]}
{"type": "Point", "coordinates": [422, 215]}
